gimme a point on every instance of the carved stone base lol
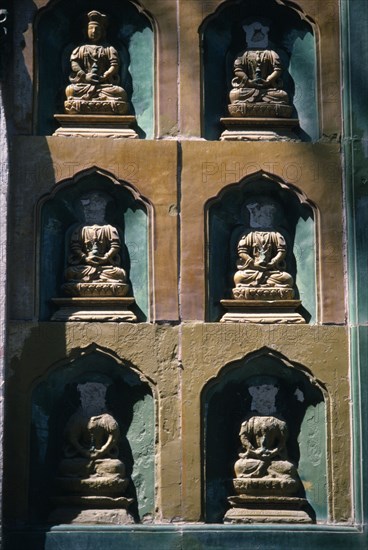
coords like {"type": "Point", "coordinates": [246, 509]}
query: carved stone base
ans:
{"type": "Point", "coordinates": [262, 311]}
{"type": "Point", "coordinates": [266, 485]}
{"type": "Point", "coordinates": [259, 129]}
{"type": "Point", "coordinates": [91, 511]}
{"type": "Point", "coordinates": [108, 487]}
{"type": "Point", "coordinates": [116, 126]}
{"type": "Point", "coordinates": [247, 509]}
{"type": "Point", "coordinates": [90, 517]}
{"type": "Point", "coordinates": [95, 107]}
{"type": "Point", "coordinates": [96, 290]}
{"type": "Point", "coordinates": [94, 309]}
{"type": "Point", "coordinates": [259, 110]}
{"type": "Point", "coordinates": [243, 292]}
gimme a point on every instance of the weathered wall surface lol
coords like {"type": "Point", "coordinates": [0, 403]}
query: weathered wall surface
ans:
{"type": "Point", "coordinates": [355, 148]}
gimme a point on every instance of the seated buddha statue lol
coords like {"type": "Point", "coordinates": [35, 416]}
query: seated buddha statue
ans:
{"type": "Point", "coordinates": [94, 252]}
{"type": "Point", "coordinates": [257, 78]}
{"type": "Point", "coordinates": [263, 466]}
{"type": "Point", "coordinates": [91, 464]}
{"type": "Point", "coordinates": [267, 486]}
{"type": "Point", "coordinates": [261, 257]}
{"type": "Point", "coordinates": [94, 80]}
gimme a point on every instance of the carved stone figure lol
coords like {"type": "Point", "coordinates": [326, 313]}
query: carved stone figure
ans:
{"type": "Point", "coordinates": [257, 85]}
{"type": "Point", "coordinates": [261, 258]}
{"type": "Point", "coordinates": [267, 484]}
{"type": "Point", "coordinates": [91, 464]}
{"type": "Point", "coordinates": [94, 80]}
{"type": "Point", "coordinates": [94, 259]}
{"type": "Point", "coordinates": [91, 475]}
{"type": "Point", "coordinates": [263, 466]}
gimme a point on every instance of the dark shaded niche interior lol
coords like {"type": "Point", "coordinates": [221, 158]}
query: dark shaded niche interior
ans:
{"type": "Point", "coordinates": [55, 399]}
{"type": "Point", "coordinates": [291, 36]}
{"type": "Point", "coordinates": [228, 219]}
{"type": "Point", "coordinates": [61, 213]}
{"type": "Point", "coordinates": [61, 27]}
{"type": "Point", "coordinates": [226, 403]}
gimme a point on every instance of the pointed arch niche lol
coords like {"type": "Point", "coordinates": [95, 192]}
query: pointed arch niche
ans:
{"type": "Point", "coordinates": [227, 219]}
{"type": "Point", "coordinates": [301, 401]}
{"type": "Point", "coordinates": [129, 399]}
{"type": "Point", "coordinates": [59, 28]}
{"type": "Point", "coordinates": [59, 213]}
{"type": "Point", "coordinates": [293, 35]}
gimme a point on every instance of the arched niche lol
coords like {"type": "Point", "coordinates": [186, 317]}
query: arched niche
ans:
{"type": "Point", "coordinates": [227, 220]}
{"type": "Point", "coordinates": [59, 213]}
{"type": "Point", "coordinates": [226, 401]}
{"type": "Point", "coordinates": [129, 400]}
{"type": "Point", "coordinates": [60, 27]}
{"type": "Point", "coordinates": [292, 35]}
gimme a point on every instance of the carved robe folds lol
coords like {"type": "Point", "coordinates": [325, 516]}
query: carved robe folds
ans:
{"type": "Point", "coordinates": [257, 64]}
{"type": "Point", "coordinates": [261, 260]}
{"type": "Point", "coordinates": [267, 484]}
{"type": "Point", "coordinates": [91, 242]}
{"type": "Point", "coordinates": [94, 94]}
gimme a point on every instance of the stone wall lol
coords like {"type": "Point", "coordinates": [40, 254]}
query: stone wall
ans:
{"type": "Point", "coordinates": [178, 356]}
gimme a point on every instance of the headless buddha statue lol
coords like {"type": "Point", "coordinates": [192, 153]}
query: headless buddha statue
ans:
{"type": "Point", "coordinates": [91, 464]}
{"type": "Point", "coordinates": [94, 256]}
{"type": "Point", "coordinates": [261, 254]}
{"type": "Point", "coordinates": [257, 78]}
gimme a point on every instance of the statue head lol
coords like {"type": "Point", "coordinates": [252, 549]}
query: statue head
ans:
{"type": "Point", "coordinates": [94, 207]}
{"type": "Point", "coordinates": [97, 23]}
{"type": "Point", "coordinates": [256, 34]}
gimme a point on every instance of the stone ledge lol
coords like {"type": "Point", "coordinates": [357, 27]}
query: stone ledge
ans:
{"type": "Point", "coordinates": [94, 309]}
{"type": "Point", "coordinates": [259, 129]}
{"type": "Point", "coordinates": [262, 311]}
{"type": "Point", "coordinates": [184, 536]}
{"type": "Point", "coordinates": [117, 126]}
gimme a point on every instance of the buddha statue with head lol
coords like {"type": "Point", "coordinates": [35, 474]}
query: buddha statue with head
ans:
{"type": "Point", "coordinates": [94, 80]}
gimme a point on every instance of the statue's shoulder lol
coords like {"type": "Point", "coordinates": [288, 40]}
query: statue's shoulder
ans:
{"type": "Point", "coordinates": [110, 50]}
{"type": "Point", "coordinates": [241, 56]}
{"type": "Point", "coordinates": [278, 236]}
{"type": "Point", "coordinates": [246, 236]}
{"type": "Point", "coordinates": [110, 228]}
{"type": "Point", "coordinates": [79, 50]}
{"type": "Point", "coordinates": [272, 56]}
